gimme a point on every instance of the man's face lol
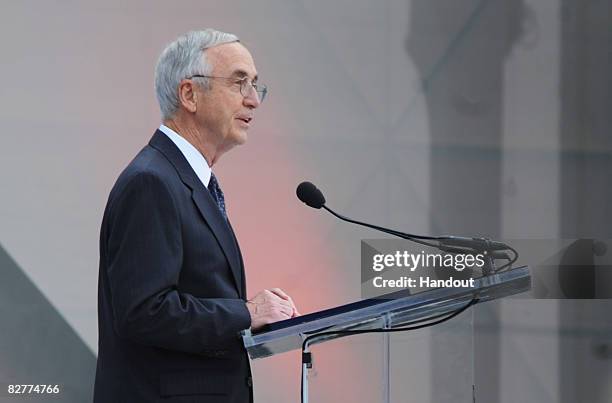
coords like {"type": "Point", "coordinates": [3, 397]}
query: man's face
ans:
{"type": "Point", "coordinates": [223, 113]}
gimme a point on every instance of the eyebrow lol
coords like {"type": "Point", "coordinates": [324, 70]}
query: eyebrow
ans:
{"type": "Point", "coordinates": [241, 74]}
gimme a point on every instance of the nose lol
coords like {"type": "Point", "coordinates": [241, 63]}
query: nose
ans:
{"type": "Point", "coordinates": [252, 100]}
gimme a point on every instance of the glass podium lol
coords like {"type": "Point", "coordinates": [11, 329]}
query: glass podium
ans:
{"type": "Point", "coordinates": [400, 377]}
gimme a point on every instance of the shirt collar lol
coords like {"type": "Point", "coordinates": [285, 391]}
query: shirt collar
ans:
{"type": "Point", "coordinates": [192, 155]}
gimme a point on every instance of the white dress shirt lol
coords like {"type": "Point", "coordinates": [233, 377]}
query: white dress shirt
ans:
{"type": "Point", "coordinates": [196, 160]}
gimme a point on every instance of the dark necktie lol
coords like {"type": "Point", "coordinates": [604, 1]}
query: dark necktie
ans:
{"type": "Point", "coordinates": [217, 194]}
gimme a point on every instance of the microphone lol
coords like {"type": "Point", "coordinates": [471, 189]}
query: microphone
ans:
{"type": "Point", "coordinates": [310, 195]}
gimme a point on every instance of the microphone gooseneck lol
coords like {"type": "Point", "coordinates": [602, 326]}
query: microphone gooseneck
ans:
{"type": "Point", "coordinates": [309, 194]}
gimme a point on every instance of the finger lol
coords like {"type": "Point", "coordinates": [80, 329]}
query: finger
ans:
{"type": "Point", "coordinates": [286, 305]}
{"type": "Point", "coordinates": [280, 293]}
{"type": "Point", "coordinates": [287, 311]}
{"type": "Point", "coordinates": [295, 311]}
{"type": "Point", "coordinates": [285, 296]}
{"type": "Point", "coordinates": [286, 299]}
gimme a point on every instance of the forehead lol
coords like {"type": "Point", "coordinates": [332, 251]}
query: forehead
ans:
{"type": "Point", "coordinates": [230, 58]}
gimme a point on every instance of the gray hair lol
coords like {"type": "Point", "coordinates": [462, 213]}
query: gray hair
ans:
{"type": "Point", "coordinates": [182, 58]}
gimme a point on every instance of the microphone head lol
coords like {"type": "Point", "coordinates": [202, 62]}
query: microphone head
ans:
{"type": "Point", "coordinates": [310, 195]}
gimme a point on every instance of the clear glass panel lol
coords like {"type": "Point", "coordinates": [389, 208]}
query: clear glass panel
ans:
{"type": "Point", "coordinates": [427, 365]}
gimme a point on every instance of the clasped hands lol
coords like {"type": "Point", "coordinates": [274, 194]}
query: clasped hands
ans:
{"type": "Point", "coordinates": [270, 306]}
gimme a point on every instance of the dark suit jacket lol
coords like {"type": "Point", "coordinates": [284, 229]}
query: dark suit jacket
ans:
{"type": "Point", "coordinates": [171, 292]}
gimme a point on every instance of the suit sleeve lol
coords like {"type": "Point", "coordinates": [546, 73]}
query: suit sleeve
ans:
{"type": "Point", "coordinates": [144, 256]}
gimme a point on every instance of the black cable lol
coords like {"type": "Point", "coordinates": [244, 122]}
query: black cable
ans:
{"type": "Point", "coordinates": [445, 317]}
{"type": "Point", "coordinates": [419, 239]}
{"type": "Point", "coordinates": [509, 264]}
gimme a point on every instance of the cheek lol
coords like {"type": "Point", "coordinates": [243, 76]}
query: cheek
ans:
{"type": "Point", "coordinates": [220, 111]}
{"type": "Point", "coordinates": [217, 116]}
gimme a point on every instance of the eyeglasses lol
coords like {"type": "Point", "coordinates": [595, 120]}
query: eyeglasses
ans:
{"type": "Point", "coordinates": [246, 86]}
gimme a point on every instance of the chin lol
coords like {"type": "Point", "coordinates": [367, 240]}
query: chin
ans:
{"type": "Point", "coordinates": [241, 138]}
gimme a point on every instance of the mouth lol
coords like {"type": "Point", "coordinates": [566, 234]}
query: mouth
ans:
{"type": "Point", "coordinates": [245, 119]}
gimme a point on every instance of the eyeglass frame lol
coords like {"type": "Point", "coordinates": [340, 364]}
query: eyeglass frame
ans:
{"type": "Point", "coordinates": [257, 87]}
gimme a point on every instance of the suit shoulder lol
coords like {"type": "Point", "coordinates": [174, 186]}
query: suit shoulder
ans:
{"type": "Point", "coordinates": [149, 161]}
{"type": "Point", "coordinates": [148, 167]}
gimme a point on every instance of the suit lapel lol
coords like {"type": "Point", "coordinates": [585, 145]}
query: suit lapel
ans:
{"type": "Point", "coordinates": [210, 212]}
{"type": "Point", "coordinates": [242, 273]}
{"type": "Point", "coordinates": [206, 205]}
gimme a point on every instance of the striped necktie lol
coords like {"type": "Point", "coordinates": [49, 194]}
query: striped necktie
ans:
{"type": "Point", "coordinates": [217, 194]}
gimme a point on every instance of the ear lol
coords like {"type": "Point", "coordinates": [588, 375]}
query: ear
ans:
{"type": "Point", "coordinates": [187, 95]}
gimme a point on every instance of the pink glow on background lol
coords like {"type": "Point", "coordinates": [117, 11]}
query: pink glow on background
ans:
{"type": "Point", "coordinates": [282, 242]}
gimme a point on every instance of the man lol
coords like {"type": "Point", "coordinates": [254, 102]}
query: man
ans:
{"type": "Point", "coordinates": [172, 295]}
